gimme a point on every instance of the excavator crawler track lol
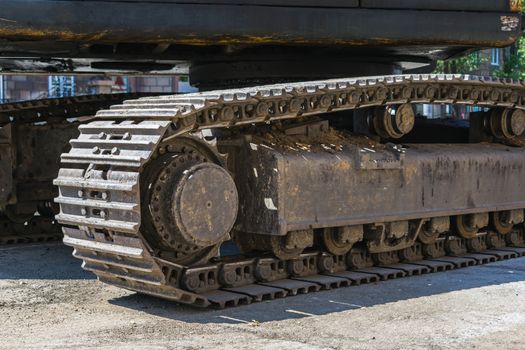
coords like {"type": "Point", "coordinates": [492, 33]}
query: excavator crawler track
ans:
{"type": "Point", "coordinates": [36, 230]}
{"type": "Point", "coordinates": [100, 187]}
{"type": "Point", "coordinates": [34, 119]}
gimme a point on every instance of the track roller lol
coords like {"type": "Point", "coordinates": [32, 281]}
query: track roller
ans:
{"type": "Point", "coordinates": [289, 246]}
{"type": "Point", "coordinates": [433, 228]}
{"type": "Point", "coordinates": [467, 226]}
{"type": "Point", "coordinates": [504, 221]}
{"type": "Point", "coordinates": [340, 240]}
{"type": "Point", "coordinates": [507, 123]}
{"type": "Point", "coordinates": [393, 121]}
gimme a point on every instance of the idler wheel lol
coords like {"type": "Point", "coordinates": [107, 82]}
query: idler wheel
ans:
{"type": "Point", "coordinates": [507, 123]}
{"type": "Point", "coordinates": [192, 206]}
{"type": "Point", "coordinates": [501, 222]}
{"type": "Point", "coordinates": [205, 204]}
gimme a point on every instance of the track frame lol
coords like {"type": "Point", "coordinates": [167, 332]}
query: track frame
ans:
{"type": "Point", "coordinates": [100, 187]}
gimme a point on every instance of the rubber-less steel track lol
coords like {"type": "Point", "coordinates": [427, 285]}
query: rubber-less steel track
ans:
{"type": "Point", "coordinates": [100, 187]}
{"type": "Point", "coordinates": [36, 230]}
{"type": "Point", "coordinates": [63, 107]}
{"type": "Point", "coordinates": [50, 111]}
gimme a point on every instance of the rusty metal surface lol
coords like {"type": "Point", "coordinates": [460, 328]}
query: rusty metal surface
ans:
{"type": "Point", "coordinates": [473, 5]}
{"type": "Point", "coordinates": [112, 225]}
{"type": "Point", "coordinates": [289, 24]}
{"type": "Point", "coordinates": [256, 292]}
{"type": "Point", "coordinates": [270, 41]}
{"type": "Point", "coordinates": [283, 185]}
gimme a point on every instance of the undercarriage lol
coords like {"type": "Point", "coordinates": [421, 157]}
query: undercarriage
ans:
{"type": "Point", "coordinates": [32, 136]}
{"type": "Point", "coordinates": [309, 181]}
{"type": "Point", "coordinates": [248, 191]}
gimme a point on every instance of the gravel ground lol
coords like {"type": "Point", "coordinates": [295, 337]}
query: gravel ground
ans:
{"type": "Point", "coordinates": [48, 302]}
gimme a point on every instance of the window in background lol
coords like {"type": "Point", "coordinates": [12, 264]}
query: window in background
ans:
{"type": "Point", "coordinates": [494, 60]}
{"type": "Point", "coordinates": [61, 86]}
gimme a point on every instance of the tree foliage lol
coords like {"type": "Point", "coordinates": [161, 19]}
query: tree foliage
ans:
{"type": "Point", "coordinates": [513, 66]}
{"type": "Point", "coordinates": [463, 65]}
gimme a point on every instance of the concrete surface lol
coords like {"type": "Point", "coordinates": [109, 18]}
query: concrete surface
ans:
{"type": "Point", "coordinates": [48, 302]}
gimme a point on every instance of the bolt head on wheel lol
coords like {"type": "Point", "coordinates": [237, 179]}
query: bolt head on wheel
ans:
{"type": "Point", "coordinates": [205, 203]}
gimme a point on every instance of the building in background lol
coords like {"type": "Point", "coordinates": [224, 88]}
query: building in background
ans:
{"type": "Point", "coordinates": [30, 87]}
{"type": "Point", "coordinates": [486, 63]}
{"type": "Point", "coordinates": [492, 60]}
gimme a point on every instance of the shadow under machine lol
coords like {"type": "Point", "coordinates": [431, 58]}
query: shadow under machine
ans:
{"type": "Point", "coordinates": [309, 146]}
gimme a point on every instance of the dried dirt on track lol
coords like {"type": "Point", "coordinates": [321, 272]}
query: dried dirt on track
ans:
{"type": "Point", "coordinates": [48, 302]}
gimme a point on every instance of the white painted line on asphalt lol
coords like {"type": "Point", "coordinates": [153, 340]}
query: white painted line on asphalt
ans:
{"type": "Point", "coordinates": [347, 304]}
{"type": "Point", "coordinates": [233, 319]}
{"type": "Point", "coordinates": [299, 313]}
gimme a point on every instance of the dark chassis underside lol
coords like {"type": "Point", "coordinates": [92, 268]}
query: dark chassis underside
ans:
{"type": "Point", "coordinates": [221, 40]}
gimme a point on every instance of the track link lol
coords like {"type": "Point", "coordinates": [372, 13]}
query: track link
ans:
{"type": "Point", "coordinates": [64, 107]}
{"type": "Point", "coordinates": [50, 111]}
{"type": "Point", "coordinates": [36, 230]}
{"type": "Point", "coordinates": [100, 190]}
